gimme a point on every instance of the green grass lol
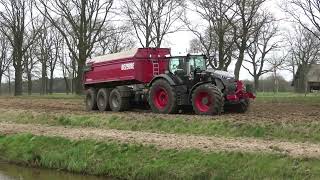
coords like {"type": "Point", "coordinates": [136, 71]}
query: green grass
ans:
{"type": "Point", "coordinates": [292, 131]}
{"type": "Point", "coordinates": [289, 97]}
{"type": "Point", "coordinates": [147, 162]}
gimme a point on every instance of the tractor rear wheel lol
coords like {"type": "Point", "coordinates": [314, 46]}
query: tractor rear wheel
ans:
{"type": "Point", "coordinates": [103, 99]}
{"type": "Point", "coordinates": [207, 99]}
{"type": "Point", "coordinates": [162, 98]}
{"type": "Point", "coordinates": [91, 99]}
{"type": "Point", "coordinates": [117, 102]}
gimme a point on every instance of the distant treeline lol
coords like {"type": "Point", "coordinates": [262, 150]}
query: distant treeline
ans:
{"type": "Point", "coordinates": [59, 86]}
{"type": "Point", "coordinates": [271, 84]}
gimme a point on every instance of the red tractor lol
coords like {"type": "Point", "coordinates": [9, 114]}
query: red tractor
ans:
{"type": "Point", "coordinates": [167, 84]}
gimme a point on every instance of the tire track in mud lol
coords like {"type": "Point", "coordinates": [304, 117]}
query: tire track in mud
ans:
{"type": "Point", "coordinates": [169, 141]}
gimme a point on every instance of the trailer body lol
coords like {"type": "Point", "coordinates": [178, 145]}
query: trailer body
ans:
{"type": "Point", "coordinates": [137, 66]}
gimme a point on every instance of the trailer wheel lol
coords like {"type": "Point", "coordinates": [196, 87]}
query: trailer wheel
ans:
{"type": "Point", "coordinates": [103, 99]}
{"type": "Point", "coordinates": [207, 99]}
{"type": "Point", "coordinates": [91, 100]}
{"type": "Point", "coordinates": [117, 102]}
{"type": "Point", "coordinates": [162, 98]}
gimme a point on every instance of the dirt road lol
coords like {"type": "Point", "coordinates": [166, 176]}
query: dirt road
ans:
{"type": "Point", "coordinates": [169, 141]}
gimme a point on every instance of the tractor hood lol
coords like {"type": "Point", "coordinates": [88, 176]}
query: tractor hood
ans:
{"type": "Point", "coordinates": [221, 74]}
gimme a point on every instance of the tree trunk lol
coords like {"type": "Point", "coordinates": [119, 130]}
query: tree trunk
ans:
{"type": "Point", "coordinates": [51, 83]}
{"type": "Point", "coordinates": [78, 80]}
{"type": "Point", "coordinates": [238, 66]}
{"type": "Point", "coordinates": [256, 83]}
{"type": "Point", "coordinates": [0, 84]}
{"type": "Point", "coordinates": [9, 81]}
{"type": "Point", "coordinates": [18, 80]}
{"type": "Point", "coordinates": [305, 82]}
{"type": "Point", "coordinates": [67, 84]}
{"type": "Point", "coordinates": [29, 83]}
{"type": "Point", "coordinates": [43, 78]}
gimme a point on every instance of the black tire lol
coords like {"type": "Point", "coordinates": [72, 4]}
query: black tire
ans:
{"type": "Point", "coordinates": [207, 99]}
{"type": "Point", "coordinates": [91, 99]}
{"type": "Point", "coordinates": [118, 103]}
{"type": "Point", "coordinates": [103, 99]}
{"type": "Point", "coordinates": [162, 97]}
{"type": "Point", "coordinates": [243, 106]}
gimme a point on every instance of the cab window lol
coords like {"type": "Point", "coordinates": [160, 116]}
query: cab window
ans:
{"type": "Point", "coordinates": [176, 64]}
{"type": "Point", "coordinates": [197, 62]}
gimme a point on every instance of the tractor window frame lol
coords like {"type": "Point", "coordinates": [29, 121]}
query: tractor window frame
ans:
{"type": "Point", "coordinates": [202, 62]}
{"type": "Point", "coordinates": [181, 62]}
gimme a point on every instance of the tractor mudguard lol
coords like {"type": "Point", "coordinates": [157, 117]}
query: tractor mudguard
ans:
{"type": "Point", "coordinates": [172, 81]}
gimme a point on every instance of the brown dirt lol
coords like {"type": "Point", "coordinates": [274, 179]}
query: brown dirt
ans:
{"type": "Point", "coordinates": [271, 112]}
{"type": "Point", "coordinates": [169, 141]}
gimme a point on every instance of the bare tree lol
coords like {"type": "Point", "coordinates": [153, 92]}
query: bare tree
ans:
{"type": "Point", "coordinates": [249, 22]}
{"type": "Point", "coordinates": [115, 39]}
{"type": "Point", "coordinates": [290, 65]}
{"type": "Point", "coordinates": [64, 63]}
{"type": "Point", "coordinates": [15, 18]}
{"type": "Point", "coordinates": [217, 41]}
{"type": "Point", "coordinates": [305, 12]}
{"type": "Point", "coordinates": [152, 20]}
{"type": "Point", "coordinates": [80, 23]}
{"type": "Point", "coordinates": [43, 47]}
{"type": "Point", "coordinates": [305, 49]}
{"type": "Point", "coordinates": [30, 63]}
{"type": "Point", "coordinates": [5, 60]}
{"type": "Point", "coordinates": [276, 63]}
{"type": "Point", "coordinates": [55, 40]}
{"type": "Point", "coordinates": [261, 45]}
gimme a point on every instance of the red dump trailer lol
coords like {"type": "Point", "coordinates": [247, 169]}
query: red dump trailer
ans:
{"type": "Point", "coordinates": [137, 66]}
{"type": "Point", "coordinates": [165, 83]}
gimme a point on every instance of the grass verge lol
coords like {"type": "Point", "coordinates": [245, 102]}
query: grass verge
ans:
{"type": "Point", "coordinates": [310, 99]}
{"type": "Point", "coordinates": [292, 131]}
{"type": "Point", "coordinates": [146, 162]}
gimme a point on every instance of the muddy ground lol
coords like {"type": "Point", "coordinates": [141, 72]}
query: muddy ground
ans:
{"type": "Point", "coordinates": [258, 111]}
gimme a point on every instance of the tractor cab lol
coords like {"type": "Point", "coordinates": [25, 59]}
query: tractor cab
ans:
{"type": "Point", "coordinates": [190, 69]}
{"type": "Point", "coordinates": [187, 65]}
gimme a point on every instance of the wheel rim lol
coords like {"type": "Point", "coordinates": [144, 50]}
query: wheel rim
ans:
{"type": "Point", "coordinates": [203, 101]}
{"type": "Point", "coordinates": [161, 98]}
{"type": "Point", "coordinates": [115, 101]}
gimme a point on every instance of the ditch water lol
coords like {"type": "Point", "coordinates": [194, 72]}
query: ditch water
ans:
{"type": "Point", "coordinates": [13, 172]}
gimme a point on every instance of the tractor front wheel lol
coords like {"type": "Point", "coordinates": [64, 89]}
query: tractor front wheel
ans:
{"type": "Point", "coordinates": [207, 99]}
{"type": "Point", "coordinates": [162, 97]}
